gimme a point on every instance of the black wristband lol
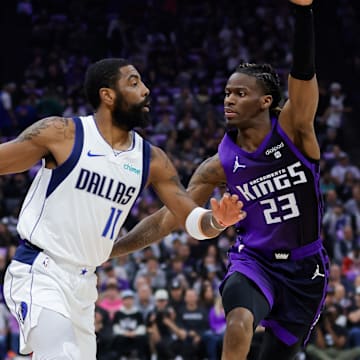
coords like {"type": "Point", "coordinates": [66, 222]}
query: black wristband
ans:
{"type": "Point", "coordinates": [303, 67]}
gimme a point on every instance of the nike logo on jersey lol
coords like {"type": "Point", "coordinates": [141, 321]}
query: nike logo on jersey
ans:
{"type": "Point", "coordinates": [90, 154]}
{"type": "Point", "coordinates": [237, 165]}
{"type": "Point", "coordinates": [317, 273]}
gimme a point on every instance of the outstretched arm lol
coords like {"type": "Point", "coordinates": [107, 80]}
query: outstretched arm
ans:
{"type": "Point", "coordinates": [52, 135]}
{"type": "Point", "coordinates": [154, 227]}
{"type": "Point", "coordinates": [297, 116]}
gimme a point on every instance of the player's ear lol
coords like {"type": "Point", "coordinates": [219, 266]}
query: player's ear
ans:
{"type": "Point", "coordinates": [107, 96]}
{"type": "Point", "coordinates": [266, 101]}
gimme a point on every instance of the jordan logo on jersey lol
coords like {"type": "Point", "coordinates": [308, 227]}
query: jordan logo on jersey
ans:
{"type": "Point", "coordinates": [237, 165]}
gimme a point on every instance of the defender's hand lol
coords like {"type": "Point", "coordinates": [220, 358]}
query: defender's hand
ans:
{"type": "Point", "coordinates": [302, 2]}
{"type": "Point", "coordinates": [228, 210]}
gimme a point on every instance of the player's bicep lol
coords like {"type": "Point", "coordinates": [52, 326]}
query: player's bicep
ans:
{"type": "Point", "coordinates": [165, 181]}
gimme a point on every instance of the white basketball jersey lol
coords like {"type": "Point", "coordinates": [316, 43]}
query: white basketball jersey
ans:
{"type": "Point", "coordinates": [75, 211]}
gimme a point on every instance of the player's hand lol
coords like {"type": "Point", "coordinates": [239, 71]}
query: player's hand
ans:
{"type": "Point", "coordinates": [302, 2]}
{"type": "Point", "coordinates": [228, 210]}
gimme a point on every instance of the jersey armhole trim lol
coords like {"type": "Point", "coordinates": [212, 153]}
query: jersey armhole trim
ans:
{"type": "Point", "coordinates": [61, 172]}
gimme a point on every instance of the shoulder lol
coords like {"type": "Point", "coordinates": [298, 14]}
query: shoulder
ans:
{"type": "Point", "coordinates": [60, 125]}
{"type": "Point", "coordinates": [158, 157]}
{"type": "Point", "coordinates": [50, 128]}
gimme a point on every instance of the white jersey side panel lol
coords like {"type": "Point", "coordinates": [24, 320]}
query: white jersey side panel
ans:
{"type": "Point", "coordinates": [75, 211]}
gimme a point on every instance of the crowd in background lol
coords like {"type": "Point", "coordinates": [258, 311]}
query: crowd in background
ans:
{"type": "Point", "coordinates": [163, 302]}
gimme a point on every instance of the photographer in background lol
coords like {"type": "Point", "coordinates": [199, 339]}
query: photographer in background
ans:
{"type": "Point", "coordinates": [165, 336]}
{"type": "Point", "coordinates": [330, 339]}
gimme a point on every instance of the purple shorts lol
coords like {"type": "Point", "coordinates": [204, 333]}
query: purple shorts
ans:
{"type": "Point", "coordinates": [294, 284]}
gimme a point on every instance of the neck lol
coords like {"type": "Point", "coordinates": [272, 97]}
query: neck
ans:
{"type": "Point", "coordinates": [117, 138]}
{"type": "Point", "coordinates": [250, 138]}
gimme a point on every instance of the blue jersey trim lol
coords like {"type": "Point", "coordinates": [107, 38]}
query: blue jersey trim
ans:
{"type": "Point", "coordinates": [26, 253]}
{"type": "Point", "coordinates": [146, 164]}
{"type": "Point", "coordinates": [61, 172]}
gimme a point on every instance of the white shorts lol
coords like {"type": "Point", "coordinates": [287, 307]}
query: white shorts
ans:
{"type": "Point", "coordinates": [34, 281]}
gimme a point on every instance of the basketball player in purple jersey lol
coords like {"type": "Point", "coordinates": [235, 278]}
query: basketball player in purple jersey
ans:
{"type": "Point", "coordinates": [278, 269]}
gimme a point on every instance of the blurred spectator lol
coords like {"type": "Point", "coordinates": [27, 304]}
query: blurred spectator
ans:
{"type": "Point", "coordinates": [75, 107]}
{"type": "Point", "coordinates": [194, 319]}
{"type": "Point", "coordinates": [8, 121]}
{"type": "Point", "coordinates": [336, 277]}
{"type": "Point", "coordinates": [144, 300]}
{"type": "Point", "coordinates": [166, 338]}
{"type": "Point", "coordinates": [217, 322]}
{"type": "Point", "coordinates": [352, 206]}
{"type": "Point", "coordinates": [334, 221]}
{"type": "Point", "coordinates": [25, 113]}
{"type": "Point", "coordinates": [155, 274]}
{"type": "Point", "coordinates": [351, 263]}
{"type": "Point", "coordinates": [337, 107]}
{"type": "Point", "coordinates": [345, 243]}
{"type": "Point", "coordinates": [331, 339]}
{"type": "Point", "coordinates": [345, 189]}
{"type": "Point", "coordinates": [4, 316]}
{"type": "Point", "coordinates": [129, 329]}
{"type": "Point", "coordinates": [353, 319]}
{"type": "Point", "coordinates": [104, 335]}
{"type": "Point", "coordinates": [342, 167]}
{"type": "Point", "coordinates": [176, 292]}
{"type": "Point", "coordinates": [207, 293]}
{"type": "Point", "coordinates": [111, 300]}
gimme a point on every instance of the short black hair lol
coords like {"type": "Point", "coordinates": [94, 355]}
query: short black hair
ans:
{"type": "Point", "coordinates": [266, 77]}
{"type": "Point", "coordinates": [103, 73]}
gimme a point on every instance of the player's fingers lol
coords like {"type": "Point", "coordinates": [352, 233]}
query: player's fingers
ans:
{"type": "Point", "coordinates": [214, 204]}
{"type": "Point", "coordinates": [242, 215]}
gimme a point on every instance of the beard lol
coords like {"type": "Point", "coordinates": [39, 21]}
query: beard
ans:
{"type": "Point", "coordinates": [134, 116]}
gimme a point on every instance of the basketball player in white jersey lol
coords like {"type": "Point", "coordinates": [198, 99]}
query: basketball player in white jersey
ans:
{"type": "Point", "coordinates": [93, 170]}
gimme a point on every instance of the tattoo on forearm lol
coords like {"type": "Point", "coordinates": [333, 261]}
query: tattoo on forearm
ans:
{"type": "Point", "coordinates": [133, 242]}
{"type": "Point", "coordinates": [61, 124]}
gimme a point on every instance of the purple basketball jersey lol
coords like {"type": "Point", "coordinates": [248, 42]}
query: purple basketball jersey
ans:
{"type": "Point", "coordinates": [279, 187]}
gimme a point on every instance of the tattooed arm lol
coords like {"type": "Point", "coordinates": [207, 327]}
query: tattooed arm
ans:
{"type": "Point", "coordinates": [151, 229]}
{"type": "Point", "coordinates": [48, 138]}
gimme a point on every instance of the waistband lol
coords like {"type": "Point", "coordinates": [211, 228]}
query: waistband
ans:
{"type": "Point", "coordinates": [306, 250]}
{"type": "Point", "coordinates": [284, 254]}
{"type": "Point", "coordinates": [28, 252]}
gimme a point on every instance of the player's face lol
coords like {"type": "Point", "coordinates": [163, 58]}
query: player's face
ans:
{"type": "Point", "coordinates": [244, 100]}
{"type": "Point", "coordinates": [132, 104]}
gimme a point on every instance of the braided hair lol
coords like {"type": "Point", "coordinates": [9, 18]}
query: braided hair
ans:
{"type": "Point", "coordinates": [267, 78]}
